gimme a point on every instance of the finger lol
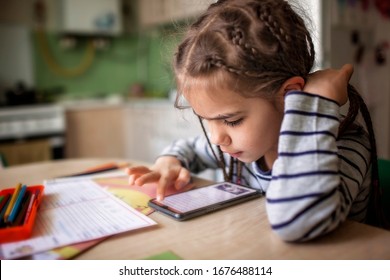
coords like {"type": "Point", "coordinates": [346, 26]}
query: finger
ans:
{"type": "Point", "coordinates": [183, 179]}
{"type": "Point", "coordinates": [137, 169]}
{"type": "Point", "coordinates": [131, 180]}
{"type": "Point", "coordinates": [188, 187]}
{"type": "Point", "coordinates": [150, 177]}
{"type": "Point", "coordinates": [136, 172]}
{"type": "Point", "coordinates": [163, 184]}
{"type": "Point", "coordinates": [134, 177]}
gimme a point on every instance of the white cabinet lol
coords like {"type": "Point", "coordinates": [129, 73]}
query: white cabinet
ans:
{"type": "Point", "coordinates": [152, 12]}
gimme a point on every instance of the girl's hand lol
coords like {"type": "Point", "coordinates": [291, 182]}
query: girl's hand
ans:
{"type": "Point", "coordinates": [330, 83]}
{"type": "Point", "coordinates": [166, 171]}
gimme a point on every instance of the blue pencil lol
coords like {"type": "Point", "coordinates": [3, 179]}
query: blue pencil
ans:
{"type": "Point", "coordinates": [15, 208]}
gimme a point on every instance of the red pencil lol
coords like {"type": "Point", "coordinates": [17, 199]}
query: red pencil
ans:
{"type": "Point", "coordinates": [30, 206]}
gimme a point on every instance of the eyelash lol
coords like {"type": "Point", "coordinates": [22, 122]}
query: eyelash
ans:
{"type": "Point", "coordinates": [233, 123]}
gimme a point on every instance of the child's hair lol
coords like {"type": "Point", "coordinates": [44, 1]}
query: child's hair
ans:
{"type": "Point", "coordinates": [253, 47]}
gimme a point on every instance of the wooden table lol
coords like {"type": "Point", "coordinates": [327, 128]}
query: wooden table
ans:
{"type": "Point", "coordinates": [239, 232]}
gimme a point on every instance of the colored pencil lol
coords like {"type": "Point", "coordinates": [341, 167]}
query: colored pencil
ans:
{"type": "Point", "coordinates": [2, 213]}
{"type": "Point", "coordinates": [12, 201]}
{"type": "Point", "coordinates": [23, 210]}
{"type": "Point", "coordinates": [4, 200]}
{"type": "Point", "coordinates": [18, 202]}
{"type": "Point", "coordinates": [100, 169]}
{"type": "Point", "coordinates": [30, 206]}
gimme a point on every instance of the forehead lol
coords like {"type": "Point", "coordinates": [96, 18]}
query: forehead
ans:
{"type": "Point", "coordinates": [213, 86]}
{"type": "Point", "coordinates": [209, 102]}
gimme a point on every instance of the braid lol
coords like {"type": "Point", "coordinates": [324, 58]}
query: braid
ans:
{"type": "Point", "coordinates": [231, 166]}
{"type": "Point", "coordinates": [263, 12]}
{"type": "Point", "coordinates": [375, 215]}
{"type": "Point", "coordinates": [237, 36]}
{"type": "Point", "coordinates": [266, 74]}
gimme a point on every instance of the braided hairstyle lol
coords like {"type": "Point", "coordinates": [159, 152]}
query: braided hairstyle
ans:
{"type": "Point", "coordinates": [253, 47]}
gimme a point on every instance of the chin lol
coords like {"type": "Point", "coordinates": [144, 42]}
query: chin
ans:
{"type": "Point", "coordinates": [246, 159]}
{"type": "Point", "coordinates": [249, 158]}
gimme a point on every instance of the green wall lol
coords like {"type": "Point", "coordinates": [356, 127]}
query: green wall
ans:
{"type": "Point", "coordinates": [132, 58]}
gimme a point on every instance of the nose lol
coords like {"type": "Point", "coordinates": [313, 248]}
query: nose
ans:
{"type": "Point", "coordinates": [218, 135]}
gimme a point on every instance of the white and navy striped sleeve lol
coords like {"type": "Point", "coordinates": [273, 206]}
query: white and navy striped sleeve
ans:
{"type": "Point", "coordinates": [194, 154]}
{"type": "Point", "coordinates": [315, 179]}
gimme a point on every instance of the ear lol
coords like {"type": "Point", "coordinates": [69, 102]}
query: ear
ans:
{"type": "Point", "coordinates": [294, 83]}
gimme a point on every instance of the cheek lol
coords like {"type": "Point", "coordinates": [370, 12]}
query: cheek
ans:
{"type": "Point", "coordinates": [249, 136]}
{"type": "Point", "coordinates": [261, 131]}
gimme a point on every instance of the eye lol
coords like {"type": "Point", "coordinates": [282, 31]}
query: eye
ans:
{"type": "Point", "coordinates": [233, 123]}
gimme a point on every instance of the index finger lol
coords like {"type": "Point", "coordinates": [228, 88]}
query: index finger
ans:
{"type": "Point", "coordinates": [163, 184]}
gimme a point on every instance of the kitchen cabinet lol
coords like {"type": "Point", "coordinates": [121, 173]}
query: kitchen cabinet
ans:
{"type": "Point", "coordinates": [153, 12]}
{"type": "Point", "coordinates": [137, 130]}
{"type": "Point", "coordinates": [96, 131]}
{"type": "Point", "coordinates": [22, 152]}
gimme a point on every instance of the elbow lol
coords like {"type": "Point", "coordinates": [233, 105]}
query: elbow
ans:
{"type": "Point", "coordinates": [300, 222]}
{"type": "Point", "coordinates": [290, 228]}
{"type": "Point", "coordinates": [289, 234]}
{"type": "Point", "coordinates": [304, 229]}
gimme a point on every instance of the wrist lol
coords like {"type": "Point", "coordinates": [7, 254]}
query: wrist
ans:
{"type": "Point", "coordinates": [167, 160]}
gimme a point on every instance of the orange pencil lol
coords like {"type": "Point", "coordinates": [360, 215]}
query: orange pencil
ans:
{"type": "Point", "coordinates": [12, 201]}
{"type": "Point", "coordinates": [101, 168]}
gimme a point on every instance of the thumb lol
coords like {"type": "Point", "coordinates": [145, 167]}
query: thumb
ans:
{"type": "Point", "coordinates": [183, 179]}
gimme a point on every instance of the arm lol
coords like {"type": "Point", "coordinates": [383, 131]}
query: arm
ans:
{"type": "Point", "coordinates": [314, 182]}
{"type": "Point", "coordinates": [316, 177]}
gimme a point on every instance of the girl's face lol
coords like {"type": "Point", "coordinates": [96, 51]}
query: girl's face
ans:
{"type": "Point", "coordinates": [245, 128]}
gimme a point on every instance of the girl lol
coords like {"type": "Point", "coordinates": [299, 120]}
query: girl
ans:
{"type": "Point", "coordinates": [244, 67]}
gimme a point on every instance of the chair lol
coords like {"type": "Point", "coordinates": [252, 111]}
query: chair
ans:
{"type": "Point", "coordinates": [384, 182]}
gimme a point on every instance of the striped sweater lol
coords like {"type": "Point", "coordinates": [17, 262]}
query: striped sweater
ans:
{"type": "Point", "coordinates": [318, 180]}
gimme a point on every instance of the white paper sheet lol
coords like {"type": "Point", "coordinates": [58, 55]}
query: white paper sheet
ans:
{"type": "Point", "coordinates": [73, 211]}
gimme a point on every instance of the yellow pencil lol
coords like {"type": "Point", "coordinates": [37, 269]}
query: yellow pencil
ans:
{"type": "Point", "coordinates": [12, 201]}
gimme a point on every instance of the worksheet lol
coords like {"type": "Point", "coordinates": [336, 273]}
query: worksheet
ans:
{"type": "Point", "coordinates": [73, 211]}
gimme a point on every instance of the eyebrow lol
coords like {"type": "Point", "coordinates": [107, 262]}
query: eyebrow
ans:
{"type": "Point", "coordinates": [219, 117]}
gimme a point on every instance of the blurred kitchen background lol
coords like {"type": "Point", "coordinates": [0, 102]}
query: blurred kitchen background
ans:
{"type": "Point", "coordinates": [92, 78]}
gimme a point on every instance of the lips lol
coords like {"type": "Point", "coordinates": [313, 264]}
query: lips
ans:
{"type": "Point", "coordinates": [235, 154]}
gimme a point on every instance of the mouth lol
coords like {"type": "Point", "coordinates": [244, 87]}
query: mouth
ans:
{"type": "Point", "coordinates": [235, 155]}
